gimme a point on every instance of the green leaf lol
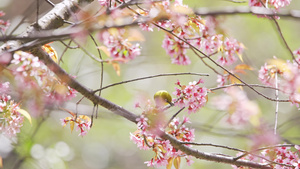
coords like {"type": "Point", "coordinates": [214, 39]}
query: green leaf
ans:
{"type": "Point", "coordinates": [25, 114]}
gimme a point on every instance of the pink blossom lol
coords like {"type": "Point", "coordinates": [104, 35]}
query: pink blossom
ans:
{"type": "Point", "coordinates": [109, 3]}
{"type": "Point", "coordinates": [283, 155]}
{"type": "Point", "coordinates": [4, 88]}
{"type": "Point", "coordinates": [231, 49]}
{"type": "Point", "coordinates": [177, 50]}
{"type": "Point", "coordinates": [271, 3]}
{"type": "Point", "coordinates": [191, 96]}
{"type": "Point", "coordinates": [34, 74]}
{"type": "Point", "coordinates": [11, 120]}
{"type": "Point", "coordinates": [5, 58]}
{"type": "Point", "coordinates": [3, 24]}
{"type": "Point", "coordinates": [290, 81]}
{"type": "Point", "coordinates": [266, 74]}
{"type": "Point", "coordinates": [82, 122]}
{"type": "Point", "coordinates": [240, 109]}
{"type": "Point", "coordinates": [264, 137]}
{"type": "Point", "coordinates": [280, 3]}
{"type": "Point", "coordinates": [142, 123]}
{"type": "Point", "coordinates": [211, 44]}
{"type": "Point", "coordinates": [221, 80]}
{"type": "Point", "coordinates": [118, 46]}
{"type": "Point", "coordinates": [146, 27]}
{"type": "Point", "coordinates": [197, 32]}
{"type": "Point", "coordinates": [147, 140]}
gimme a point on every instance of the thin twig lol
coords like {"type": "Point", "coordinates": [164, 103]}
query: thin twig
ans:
{"type": "Point", "coordinates": [240, 84]}
{"type": "Point", "coordinates": [284, 40]}
{"type": "Point", "coordinates": [150, 77]}
{"type": "Point", "coordinates": [102, 64]}
{"type": "Point", "coordinates": [202, 59]}
{"type": "Point", "coordinates": [276, 110]}
{"type": "Point", "coordinates": [102, 70]}
{"type": "Point", "coordinates": [253, 85]}
{"type": "Point", "coordinates": [173, 117]}
{"type": "Point", "coordinates": [68, 45]}
{"type": "Point", "coordinates": [88, 53]}
{"type": "Point", "coordinates": [64, 51]}
{"type": "Point", "coordinates": [213, 145]}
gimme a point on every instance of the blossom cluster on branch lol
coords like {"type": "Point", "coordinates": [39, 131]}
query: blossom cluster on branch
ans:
{"type": "Point", "coordinates": [10, 119]}
{"type": "Point", "coordinates": [151, 123]}
{"type": "Point", "coordinates": [285, 75]}
{"type": "Point", "coordinates": [270, 3]}
{"type": "Point", "coordinates": [282, 157]}
{"type": "Point", "coordinates": [30, 75]}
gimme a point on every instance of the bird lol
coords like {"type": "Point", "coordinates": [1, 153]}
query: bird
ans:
{"type": "Point", "coordinates": [162, 98]}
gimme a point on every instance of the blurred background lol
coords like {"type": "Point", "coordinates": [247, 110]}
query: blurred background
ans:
{"type": "Point", "coordinates": [46, 144]}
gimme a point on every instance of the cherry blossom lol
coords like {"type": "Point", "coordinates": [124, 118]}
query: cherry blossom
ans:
{"type": "Point", "coordinates": [230, 49]}
{"type": "Point", "coordinates": [191, 96]}
{"type": "Point", "coordinates": [109, 3]}
{"type": "Point", "coordinates": [271, 3]}
{"type": "Point", "coordinates": [288, 77]}
{"type": "Point", "coordinates": [10, 119]}
{"type": "Point", "coordinates": [240, 109]}
{"type": "Point", "coordinates": [146, 139]}
{"type": "Point", "coordinates": [282, 155]}
{"type": "Point", "coordinates": [177, 50]}
{"type": "Point", "coordinates": [82, 123]}
{"type": "Point", "coordinates": [3, 24]}
{"type": "Point", "coordinates": [267, 74]}
{"type": "Point", "coordinates": [221, 80]}
{"type": "Point", "coordinates": [118, 46]}
{"type": "Point", "coordinates": [33, 73]}
{"type": "Point", "coordinates": [264, 136]}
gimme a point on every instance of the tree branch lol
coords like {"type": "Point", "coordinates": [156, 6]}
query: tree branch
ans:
{"type": "Point", "coordinates": [246, 10]}
{"type": "Point", "coordinates": [212, 157]}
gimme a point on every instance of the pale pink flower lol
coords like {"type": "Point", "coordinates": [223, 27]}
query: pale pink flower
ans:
{"type": "Point", "coordinates": [283, 155]}
{"type": "Point", "coordinates": [163, 150]}
{"type": "Point", "coordinates": [211, 44]}
{"type": "Point", "coordinates": [240, 109]}
{"type": "Point", "coordinates": [146, 27]}
{"type": "Point", "coordinates": [82, 123]}
{"type": "Point", "coordinates": [231, 50]}
{"type": "Point", "coordinates": [5, 58]}
{"type": "Point", "coordinates": [221, 80]}
{"type": "Point", "coordinates": [266, 74]}
{"type": "Point", "coordinates": [271, 3]}
{"type": "Point", "coordinates": [118, 46]}
{"type": "Point", "coordinates": [3, 24]}
{"type": "Point", "coordinates": [264, 137]}
{"type": "Point", "coordinates": [10, 119]}
{"type": "Point", "coordinates": [176, 49]}
{"type": "Point", "coordinates": [191, 96]}
{"type": "Point", "coordinates": [34, 74]}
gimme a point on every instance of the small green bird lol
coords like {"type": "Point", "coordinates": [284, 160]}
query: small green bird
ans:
{"type": "Point", "coordinates": [162, 97]}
